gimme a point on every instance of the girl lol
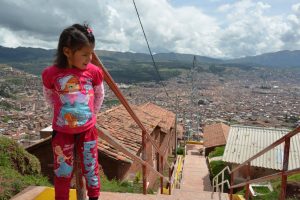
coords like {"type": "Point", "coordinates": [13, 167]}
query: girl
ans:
{"type": "Point", "coordinates": [74, 89]}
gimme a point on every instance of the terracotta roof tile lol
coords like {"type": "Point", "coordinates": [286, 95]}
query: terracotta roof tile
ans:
{"type": "Point", "coordinates": [167, 117]}
{"type": "Point", "coordinates": [110, 151]}
{"type": "Point", "coordinates": [122, 127]}
{"type": "Point", "coordinates": [215, 134]}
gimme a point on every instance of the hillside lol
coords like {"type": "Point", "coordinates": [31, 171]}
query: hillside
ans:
{"type": "Point", "coordinates": [18, 169]}
{"type": "Point", "coordinates": [277, 59]}
{"type": "Point", "coordinates": [130, 67]}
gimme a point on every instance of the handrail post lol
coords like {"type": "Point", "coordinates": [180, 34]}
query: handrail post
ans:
{"type": "Point", "coordinates": [80, 185]}
{"type": "Point", "coordinates": [285, 167]}
{"type": "Point", "coordinates": [248, 179]}
{"type": "Point", "coordinates": [217, 185]}
{"type": "Point", "coordinates": [222, 186]}
{"type": "Point", "coordinates": [144, 168]}
{"type": "Point", "coordinates": [170, 177]}
{"type": "Point", "coordinates": [161, 171]}
{"type": "Point", "coordinates": [213, 182]}
{"type": "Point", "coordinates": [231, 184]}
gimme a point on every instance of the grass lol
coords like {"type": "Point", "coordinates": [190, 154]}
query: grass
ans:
{"type": "Point", "coordinates": [276, 184]}
{"type": "Point", "coordinates": [18, 169]}
{"type": "Point", "coordinates": [219, 151]}
{"type": "Point", "coordinates": [261, 190]}
{"type": "Point", "coordinates": [122, 186]}
{"type": "Point", "coordinates": [12, 182]}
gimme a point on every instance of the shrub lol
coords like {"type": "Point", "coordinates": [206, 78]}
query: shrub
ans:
{"type": "Point", "coordinates": [180, 151]}
{"type": "Point", "coordinates": [219, 151]}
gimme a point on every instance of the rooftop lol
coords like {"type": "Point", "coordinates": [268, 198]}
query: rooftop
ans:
{"type": "Point", "coordinates": [215, 134]}
{"type": "Point", "coordinates": [245, 141]}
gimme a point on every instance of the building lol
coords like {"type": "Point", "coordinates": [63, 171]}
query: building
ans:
{"type": "Point", "coordinates": [159, 123]}
{"type": "Point", "coordinates": [214, 135]}
{"type": "Point", "coordinates": [245, 141]}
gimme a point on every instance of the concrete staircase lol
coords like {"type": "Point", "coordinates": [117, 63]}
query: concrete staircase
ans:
{"type": "Point", "coordinates": [195, 184]}
{"type": "Point", "coordinates": [32, 192]}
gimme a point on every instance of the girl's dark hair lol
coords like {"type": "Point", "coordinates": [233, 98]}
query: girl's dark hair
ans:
{"type": "Point", "coordinates": [74, 37]}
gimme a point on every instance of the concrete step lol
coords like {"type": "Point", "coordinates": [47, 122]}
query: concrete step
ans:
{"type": "Point", "coordinates": [34, 193]}
{"type": "Point", "coordinates": [201, 195]}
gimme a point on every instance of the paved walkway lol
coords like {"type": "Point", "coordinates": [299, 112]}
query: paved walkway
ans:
{"type": "Point", "coordinates": [195, 171]}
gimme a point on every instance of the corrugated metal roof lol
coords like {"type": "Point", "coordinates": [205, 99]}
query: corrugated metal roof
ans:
{"type": "Point", "coordinates": [245, 141]}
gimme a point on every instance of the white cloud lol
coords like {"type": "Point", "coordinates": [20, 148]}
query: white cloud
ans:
{"type": "Point", "coordinates": [291, 38]}
{"type": "Point", "coordinates": [250, 30]}
{"type": "Point", "coordinates": [241, 28]}
{"type": "Point", "coordinates": [184, 29]}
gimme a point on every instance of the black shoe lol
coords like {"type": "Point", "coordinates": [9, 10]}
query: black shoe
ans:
{"type": "Point", "coordinates": [93, 198]}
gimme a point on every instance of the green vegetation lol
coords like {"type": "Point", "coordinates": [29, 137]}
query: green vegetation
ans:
{"type": "Point", "coordinates": [276, 184]}
{"type": "Point", "coordinates": [216, 69]}
{"type": "Point", "coordinates": [216, 167]}
{"type": "Point", "coordinates": [5, 119]}
{"type": "Point", "coordinates": [18, 169]}
{"type": "Point", "coordinates": [180, 151]}
{"type": "Point", "coordinates": [5, 105]}
{"type": "Point", "coordinates": [141, 72]}
{"type": "Point", "coordinates": [14, 81]}
{"type": "Point", "coordinates": [261, 190]}
{"type": "Point", "coordinates": [113, 102]}
{"type": "Point", "coordinates": [4, 93]}
{"type": "Point", "coordinates": [219, 151]}
{"type": "Point", "coordinates": [123, 186]}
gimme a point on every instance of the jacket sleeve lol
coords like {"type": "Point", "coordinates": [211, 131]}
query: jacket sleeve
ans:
{"type": "Point", "coordinates": [48, 95]}
{"type": "Point", "coordinates": [99, 96]}
{"type": "Point", "coordinates": [47, 88]}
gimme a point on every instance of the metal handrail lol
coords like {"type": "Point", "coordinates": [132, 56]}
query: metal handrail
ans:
{"type": "Point", "coordinates": [113, 86]}
{"type": "Point", "coordinates": [216, 179]}
{"type": "Point", "coordinates": [284, 172]}
{"type": "Point", "coordinates": [109, 80]}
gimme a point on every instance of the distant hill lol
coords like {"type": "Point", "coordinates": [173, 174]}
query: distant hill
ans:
{"type": "Point", "coordinates": [131, 67]}
{"type": "Point", "coordinates": [29, 54]}
{"type": "Point", "coordinates": [159, 57]}
{"type": "Point", "coordinates": [123, 66]}
{"type": "Point", "coordinates": [22, 54]}
{"type": "Point", "coordinates": [277, 59]}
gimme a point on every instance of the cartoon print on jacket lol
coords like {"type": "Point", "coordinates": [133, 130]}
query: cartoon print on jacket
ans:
{"type": "Point", "coordinates": [75, 110]}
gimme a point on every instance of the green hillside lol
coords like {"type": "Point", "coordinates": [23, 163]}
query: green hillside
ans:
{"type": "Point", "coordinates": [18, 169]}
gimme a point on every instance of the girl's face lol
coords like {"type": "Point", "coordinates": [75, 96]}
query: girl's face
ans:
{"type": "Point", "coordinates": [80, 58]}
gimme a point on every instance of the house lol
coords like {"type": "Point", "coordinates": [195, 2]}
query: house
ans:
{"type": "Point", "coordinates": [214, 135]}
{"type": "Point", "coordinates": [159, 123]}
{"type": "Point", "coordinates": [245, 141]}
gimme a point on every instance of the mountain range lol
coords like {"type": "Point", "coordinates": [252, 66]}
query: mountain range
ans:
{"type": "Point", "coordinates": [130, 67]}
{"type": "Point", "coordinates": [284, 58]}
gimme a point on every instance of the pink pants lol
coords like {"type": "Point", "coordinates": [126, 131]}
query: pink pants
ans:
{"type": "Point", "coordinates": [63, 150]}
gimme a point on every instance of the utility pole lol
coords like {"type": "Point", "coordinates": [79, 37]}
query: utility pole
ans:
{"type": "Point", "coordinates": [176, 114]}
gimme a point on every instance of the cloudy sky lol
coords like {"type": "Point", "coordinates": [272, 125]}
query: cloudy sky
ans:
{"type": "Point", "coordinates": [215, 28]}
